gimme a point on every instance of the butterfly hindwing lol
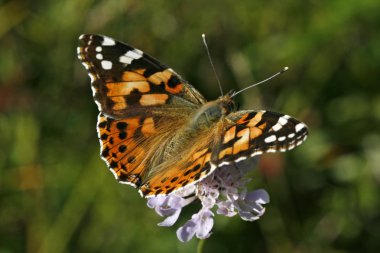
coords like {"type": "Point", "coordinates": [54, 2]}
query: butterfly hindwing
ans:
{"type": "Point", "coordinates": [186, 172]}
{"type": "Point", "coordinates": [121, 150]}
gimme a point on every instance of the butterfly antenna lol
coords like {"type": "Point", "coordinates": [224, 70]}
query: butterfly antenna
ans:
{"type": "Point", "coordinates": [212, 65]}
{"type": "Point", "coordinates": [263, 81]}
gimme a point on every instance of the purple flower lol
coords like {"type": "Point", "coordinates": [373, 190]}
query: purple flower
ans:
{"type": "Point", "coordinates": [200, 225]}
{"type": "Point", "coordinates": [225, 188]}
{"type": "Point", "coordinates": [170, 206]}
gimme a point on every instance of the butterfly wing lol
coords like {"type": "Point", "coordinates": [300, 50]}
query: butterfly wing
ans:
{"type": "Point", "coordinates": [137, 96]}
{"type": "Point", "coordinates": [257, 132]}
{"type": "Point", "coordinates": [242, 135]}
{"type": "Point", "coordinates": [126, 81]}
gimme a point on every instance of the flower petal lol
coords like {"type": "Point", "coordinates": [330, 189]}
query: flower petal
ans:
{"type": "Point", "coordinates": [205, 225]}
{"type": "Point", "coordinates": [226, 208]}
{"type": "Point", "coordinates": [259, 196]}
{"type": "Point", "coordinates": [187, 231]}
{"type": "Point", "coordinates": [170, 220]}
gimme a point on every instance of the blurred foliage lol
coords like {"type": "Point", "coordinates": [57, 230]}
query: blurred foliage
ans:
{"type": "Point", "coordinates": [56, 194]}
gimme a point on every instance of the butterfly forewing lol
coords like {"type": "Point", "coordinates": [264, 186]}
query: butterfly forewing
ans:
{"type": "Point", "coordinates": [121, 146]}
{"type": "Point", "coordinates": [260, 132]}
{"type": "Point", "coordinates": [125, 78]}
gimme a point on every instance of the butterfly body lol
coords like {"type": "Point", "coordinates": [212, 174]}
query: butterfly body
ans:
{"type": "Point", "coordinates": [211, 113]}
{"type": "Point", "coordinates": [158, 133]}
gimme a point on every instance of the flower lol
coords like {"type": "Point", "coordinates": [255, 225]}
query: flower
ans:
{"type": "Point", "coordinates": [170, 206]}
{"type": "Point", "coordinates": [225, 189]}
{"type": "Point", "coordinates": [200, 225]}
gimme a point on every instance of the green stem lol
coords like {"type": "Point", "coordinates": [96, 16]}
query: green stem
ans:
{"type": "Point", "coordinates": [201, 242]}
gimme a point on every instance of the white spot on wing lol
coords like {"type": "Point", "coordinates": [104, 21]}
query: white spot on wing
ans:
{"type": "Point", "coordinates": [282, 138]}
{"type": "Point", "coordinates": [131, 55]}
{"type": "Point", "coordinates": [106, 64]}
{"type": "Point", "coordinates": [98, 49]}
{"type": "Point", "coordinates": [283, 120]}
{"type": "Point", "coordinates": [135, 54]}
{"type": "Point", "coordinates": [300, 126]}
{"type": "Point", "coordinates": [107, 41]}
{"type": "Point", "coordinates": [277, 127]}
{"type": "Point", "coordinates": [271, 138]}
{"type": "Point", "coordinates": [125, 59]}
{"type": "Point", "coordinates": [99, 56]}
{"type": "Point", "coordinates": [291, 135]}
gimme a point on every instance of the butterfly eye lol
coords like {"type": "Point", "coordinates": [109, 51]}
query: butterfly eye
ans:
{"type": "Point", "coordinates": [228, 105]}
{"type": "Point", "coordinates": [232, 106]}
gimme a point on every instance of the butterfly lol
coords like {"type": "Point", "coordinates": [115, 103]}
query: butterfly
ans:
{"type": "Point", "coordinates": [158, 133]}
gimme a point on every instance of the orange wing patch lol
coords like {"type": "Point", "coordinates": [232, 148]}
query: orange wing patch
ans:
{"type": "Point", "coordinates": [119, 103]}
{"type": "Point", "coordinates": [159, 77]}
{"type": "Point", "coordinates": [133, 76]}
{"type": "Point", "coordinates": [230, 134]}
{"type": "Point", "coordinates": [120, 147]}
{"type": "Point", "coordinates": [172, 83]}
{"type": "Point", "coordinates": [121, 89]}
{"type": "Point", "coordinates": [252, 121]}
{"type": "Point", "coordinates": [153, 99]}
{"type": "Point", "coordinates": [225, 152]}
{"type": "Point", "coordinates": [242, 143]}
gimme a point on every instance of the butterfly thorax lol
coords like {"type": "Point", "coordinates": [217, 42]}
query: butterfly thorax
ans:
{"type": "Point", "coordinates": [211, 112]}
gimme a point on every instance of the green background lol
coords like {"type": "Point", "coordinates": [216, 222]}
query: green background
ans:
{"type": "Point", "coordinates": [56, 194]}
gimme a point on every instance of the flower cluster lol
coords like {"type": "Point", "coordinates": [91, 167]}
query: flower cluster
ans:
{"type": "Point", "coordinates": [225, 188]}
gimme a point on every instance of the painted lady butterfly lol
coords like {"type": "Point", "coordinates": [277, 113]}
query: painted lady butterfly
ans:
{"type": "Point", "coordinates": [158, 133]}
